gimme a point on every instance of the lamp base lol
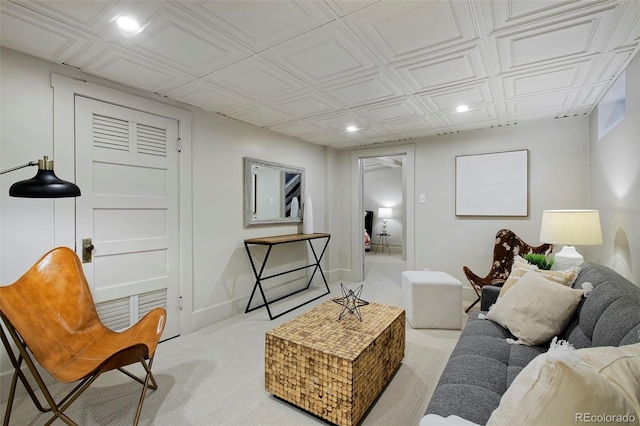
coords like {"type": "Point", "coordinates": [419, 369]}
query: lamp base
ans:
{"type": "Point", "coordinates": [567, 258]}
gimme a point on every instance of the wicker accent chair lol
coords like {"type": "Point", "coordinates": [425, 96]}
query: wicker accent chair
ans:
{"type": "Point", "coordinates": [50, 315]}
{"type": "Point", "coordinates": [507, 246]}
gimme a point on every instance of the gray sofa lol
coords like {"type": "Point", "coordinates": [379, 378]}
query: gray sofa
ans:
{"type": "Point", "coordinates": [483, 365]}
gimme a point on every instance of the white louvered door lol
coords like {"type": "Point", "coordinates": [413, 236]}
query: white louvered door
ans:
{"type": "Point", "coordinates": [127, 169]}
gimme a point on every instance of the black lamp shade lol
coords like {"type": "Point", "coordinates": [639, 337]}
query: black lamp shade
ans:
{"type": "Point", "coordinates": [45, 184]}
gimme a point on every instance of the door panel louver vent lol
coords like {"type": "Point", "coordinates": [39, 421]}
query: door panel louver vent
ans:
{"type": "Point", "coordinates": [152, 140]}
{"type": "Point", "coordinates": [115, 314]}
{"type": "Point", "coordinates": [149, 301]}
{"type": "Point", "coordinates": [110, 133]}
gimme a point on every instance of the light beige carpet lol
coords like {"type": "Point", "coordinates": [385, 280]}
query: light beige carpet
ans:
{"type": "Point", "coordinates": [215, 376]}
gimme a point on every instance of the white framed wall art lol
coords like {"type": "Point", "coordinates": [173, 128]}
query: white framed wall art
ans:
{"type": "Point", "coordinates": [493, 184]}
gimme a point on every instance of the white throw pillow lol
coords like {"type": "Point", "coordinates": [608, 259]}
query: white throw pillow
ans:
{"type": "Point", "coordinates": [600, 386]}
{"type": "Point", "coordinates": [535, 309]}
{"type": "Point", "coordinates": [521, 267]}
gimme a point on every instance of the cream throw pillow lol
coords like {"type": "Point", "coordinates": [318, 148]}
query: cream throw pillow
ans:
{"type": "Point", "coordinates": [535, 309]}
{"type": "Point", "coordinates": [601, 388]}
{"type": "Point", "coordinates": [521, 267]}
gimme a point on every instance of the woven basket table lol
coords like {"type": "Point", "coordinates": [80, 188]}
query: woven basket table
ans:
{"type": "Point", "coordinates": [335, 369]}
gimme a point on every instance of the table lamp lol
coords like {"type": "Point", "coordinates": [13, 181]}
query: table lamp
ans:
{"type": "Point", "coordinates": [570, 227]}
{"type": "Point", "coordinates": [384, 213]}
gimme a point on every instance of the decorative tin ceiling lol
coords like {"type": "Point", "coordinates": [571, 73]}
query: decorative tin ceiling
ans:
{"type": "Point", "coordinates": [392, 69]}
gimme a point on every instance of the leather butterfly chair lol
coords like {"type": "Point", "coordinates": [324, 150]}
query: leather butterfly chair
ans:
{"type": "Point", "coordinates": [507, 246]}
{"type": "Point", "coordinates": [50, 315]}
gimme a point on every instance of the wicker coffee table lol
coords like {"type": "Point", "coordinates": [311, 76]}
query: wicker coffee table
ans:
{"type": "Point", "coordinates": [335, 369]}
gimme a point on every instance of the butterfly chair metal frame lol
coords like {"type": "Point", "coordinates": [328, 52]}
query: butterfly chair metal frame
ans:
{"type": "Point", "coordinates": [137, 344]}
{"type": "Point", "coordinates": [507, 246]}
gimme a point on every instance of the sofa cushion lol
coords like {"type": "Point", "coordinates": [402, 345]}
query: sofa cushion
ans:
{"type": "Point", "coordinates": [535, 309]}
{"type": "Point", "coordinates": [551, 389]}
{"type": "Point", "coordinates": [480, 369]}
{"type": "Point", "coordinates": [610, 315]}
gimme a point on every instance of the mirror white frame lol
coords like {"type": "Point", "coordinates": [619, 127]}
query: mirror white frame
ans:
{"type": "Point", "coordinates": [269, 189]}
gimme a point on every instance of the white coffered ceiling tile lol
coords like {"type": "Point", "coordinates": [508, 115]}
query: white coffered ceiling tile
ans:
{"type": "Point", "coordinates": [566, 76]}
{"type": "Point", "coordinates": [633, 36]}
{"type": "Point", "coordinates": [22, 30]}
{"type": "Point", "coordinates": [261, 115]}
{"type": "Point", "coordinates": [398, 109]}
{"type": "Point", "coordinates": [208, 96]}
{"type": "Point", "coordinates": [259, 25]}
{"type": "Point", "coordinates": [610, 65]}
{"type": "Point", "coordinates": [344, 145]}
{"type": "Point", "coordinates": [400, 30]}
{"type": "Point", "coordinates": [327, 139]}
{"type": "Point", "coordinates": [368, 89]}
{"type": "Point", "coordinates": [563, 40]}
{"type": "Point", "coordinates": [476, 125]}
{"type": "Point", "coordinates": [468, 94]}
{"type": "Point", "coordinates": [129, 68]}
{"type": "Point", "coordinates": [345, 7]}
{"type": "Point", "coordinates": [440, 71]}
{"type": "Point", "coordinates": [257, 79]}
{"type": "Point", "coordinates": [555, 105]}
{"type": "Point", "coordinates": [306, 103]}
{"type": "Point", "coordinates": [477, 114]}
{"type": "Point", "coordinates": [412, 127]}
{"type": "Point", "coordinates": [338, 121]}
{"type": "Point", "coordinates": [92, 16]}
{"type": "Point", "coordinates": [179, 40]}
{"type": "Point", "coordinates": [368, 133]}
{"type": "Point", "coordinates": [323, 55]}
{"type": "Point", "coordinates": [503, 14]}
{"type": "Point", "coordinates": [295, 128]}
{"type": "Point", "coordinates": [591, 95]}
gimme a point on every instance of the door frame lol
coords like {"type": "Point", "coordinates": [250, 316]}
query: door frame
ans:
{"type": "Point", "coordinates": [357, 219]}
{"type": "Point", "coordinates": [64, 91]}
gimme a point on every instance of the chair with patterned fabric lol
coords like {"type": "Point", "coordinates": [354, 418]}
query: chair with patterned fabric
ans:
{"type": "Point", "coordinates": [507, 246]}
{"type": "Point", "coordinates": [50, 315]}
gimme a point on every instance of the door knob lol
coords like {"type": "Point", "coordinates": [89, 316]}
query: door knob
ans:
{"type": "Point", "coordinates": [87, 250]}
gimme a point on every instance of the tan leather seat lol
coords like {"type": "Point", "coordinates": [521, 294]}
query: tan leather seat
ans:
{"type": "Point", "coordinates": [50, 311]}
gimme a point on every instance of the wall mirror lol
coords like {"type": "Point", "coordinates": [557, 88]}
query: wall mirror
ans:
{"type": "Point", "coordinates": [273, 192]}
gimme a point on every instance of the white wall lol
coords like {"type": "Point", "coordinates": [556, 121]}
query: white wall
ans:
{"type": "Point", "coordinates": [558, 178]}
{"type": "Point", "coordinates": [383, 188]}
{"type": "Point", "coordinates": [222, 280]}
{"type": "Point", "coordinates": [614, 180]}
{"type": "Point", "coordinates": [222, 273]}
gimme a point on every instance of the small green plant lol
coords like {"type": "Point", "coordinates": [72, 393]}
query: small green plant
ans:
{"type": "Point", "coordinates": [540, 260]}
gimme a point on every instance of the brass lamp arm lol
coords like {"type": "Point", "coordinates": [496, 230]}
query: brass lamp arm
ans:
{"type": "Point", "coordinates": [30, 163]}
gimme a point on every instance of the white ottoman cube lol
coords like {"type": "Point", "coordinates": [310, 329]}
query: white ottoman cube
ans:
{"type": "Point", "coordinates": [432, 299]}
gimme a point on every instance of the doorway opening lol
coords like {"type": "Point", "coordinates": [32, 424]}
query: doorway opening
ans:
{"type": "Point", "coordinates": [405, 243]}
{"type": "Point", "coordinates": [383, 191]}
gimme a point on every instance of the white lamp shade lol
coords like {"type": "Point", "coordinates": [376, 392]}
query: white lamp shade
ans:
{"type": "Point", "coordinates": [385, 213]}
{"type": "Point", "coordinates": [571, 227]}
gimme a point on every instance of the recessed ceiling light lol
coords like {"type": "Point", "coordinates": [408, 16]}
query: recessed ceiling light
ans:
{"type": "Point", "coordinates": [128, 24]}
{"type": "Point", "coordinates": [462, 108]}
{"type": "Point", "coordinates": [352, 129]}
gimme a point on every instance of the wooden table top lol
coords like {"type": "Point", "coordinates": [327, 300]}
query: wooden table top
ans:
{"type": "Point", "coordinates": [278, 239]}
{"type": "Point", "coordinates": [320, 329]}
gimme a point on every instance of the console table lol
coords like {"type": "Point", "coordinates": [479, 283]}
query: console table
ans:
{"type": "Point", "coordinates": [284, 239]}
